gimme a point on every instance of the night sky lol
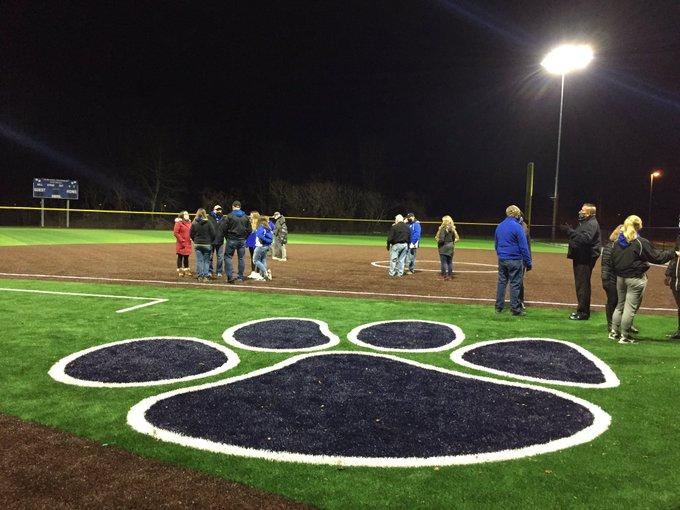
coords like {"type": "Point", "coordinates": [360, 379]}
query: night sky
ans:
{"type": "Point", "coordinates": [442, 101]}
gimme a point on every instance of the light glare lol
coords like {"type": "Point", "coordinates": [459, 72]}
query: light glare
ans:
{"type": "Point", "coordinates": [567, 58]}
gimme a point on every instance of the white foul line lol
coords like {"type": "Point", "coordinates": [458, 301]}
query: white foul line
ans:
{"type": "Point", "coordinates": [301, 290]}
{"type": "Point", "coordinates": [152, 301]}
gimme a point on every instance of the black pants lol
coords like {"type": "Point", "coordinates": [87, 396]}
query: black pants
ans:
{"type": "Point", "coordinates": [582, 274]}
{"type": "Point", "coordinates": [252, 262]}
{"type": "Point", "coordinates": [182, 261]}
{"type": "Point", "coordinates": [612, 300]}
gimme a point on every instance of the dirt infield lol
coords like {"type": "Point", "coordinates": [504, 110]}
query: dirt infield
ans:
{"type": "Point", "coordinates": [330, 270]}
{"type": "Point", "coordinates": [45, 468]}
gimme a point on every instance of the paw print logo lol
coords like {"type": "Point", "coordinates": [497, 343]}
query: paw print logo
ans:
{"type": "Point", "coordinates": [366, 407]}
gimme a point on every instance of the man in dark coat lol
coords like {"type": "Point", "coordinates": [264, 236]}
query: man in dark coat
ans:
{"type": "Point", "coordinates": [397, 244]}
{"type": "Point", "coordinates": [673, 281]}
{"type": "Point", "coordinates": [235, 228]}
{"type": "Point", "coordinates": [584, 249]}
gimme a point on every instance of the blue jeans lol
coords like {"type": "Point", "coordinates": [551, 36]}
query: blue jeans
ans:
{"type": "Point", "coordinates": [397, 259]}
{"type": "Point", "coordinates": [219, 249]}
{"type": "Point", "coordinates": [260, 259]}
{"type": "Point", "coordinates": [202, 260]}
{"type": "Point", "coordinates": [446, 262]}
{"type": "Point", "coordinates": [411, 259]}
{"type": "Point", "coordinates": [238, 245]}
{"type": "Point", "coordinates": [512, 272]}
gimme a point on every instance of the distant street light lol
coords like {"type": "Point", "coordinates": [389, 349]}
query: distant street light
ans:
{"type": "Point", "coordinates": [563, 60]}
{"type": "Point", "coordinates": [653, 174]}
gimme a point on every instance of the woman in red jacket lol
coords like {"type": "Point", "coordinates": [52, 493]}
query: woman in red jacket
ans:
{"type": "Point", "coordinates": [182, 230]}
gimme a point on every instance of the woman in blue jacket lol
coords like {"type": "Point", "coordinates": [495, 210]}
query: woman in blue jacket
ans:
{"type": "Point", "coordinates": [263, 240]}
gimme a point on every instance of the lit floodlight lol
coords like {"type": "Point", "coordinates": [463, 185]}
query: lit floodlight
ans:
{"type": "Point", "coordinates": [567, 58]}
{"type": "Point", "coordinates": [655, 173]}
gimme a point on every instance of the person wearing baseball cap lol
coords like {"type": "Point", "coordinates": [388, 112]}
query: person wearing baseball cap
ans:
{"type": "Point", "coordinates": [414, 227]}
{"type": "Point", "coordinates": [217, 250]}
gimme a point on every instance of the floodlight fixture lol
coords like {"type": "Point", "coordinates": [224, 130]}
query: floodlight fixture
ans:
{"type": "Point", "coordinates": [567, 58]}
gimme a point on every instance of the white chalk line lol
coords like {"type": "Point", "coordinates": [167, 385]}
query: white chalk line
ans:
{"type": "Point", "coordinates": [380, 263]}
{"type": "Point", "coordinates": [151, 301]}
{"type": "Point", "coordinates": [227, 287]}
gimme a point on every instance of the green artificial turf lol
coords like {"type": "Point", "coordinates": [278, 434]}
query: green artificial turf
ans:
{"type": "Point", "coordinates": [633, 464]}
{"type": "Point", "coordinates": [16, 236]}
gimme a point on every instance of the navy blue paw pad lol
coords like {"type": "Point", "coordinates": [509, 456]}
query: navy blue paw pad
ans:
{"type": "Point", "coordinates": [407, 335]}
{"type": "Point", "coordinates": [144, 362]}
{"type": "Point", "coordinates": [369, 409]}
{"type": "Point", "coordinates": [282, 334]}
{"type": "Point", "coordinates": [539, 359]}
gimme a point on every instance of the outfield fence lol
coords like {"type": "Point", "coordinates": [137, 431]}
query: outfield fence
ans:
{"type": "Point", "coordinates": [21, 216]}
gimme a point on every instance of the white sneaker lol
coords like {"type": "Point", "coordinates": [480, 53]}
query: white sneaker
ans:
{"type": "Point", "coordinates": [258, 277]}
{"type": "Point", "coordinates": [252, 275]}
{"type": "Point", "coordinates": [269, 274]}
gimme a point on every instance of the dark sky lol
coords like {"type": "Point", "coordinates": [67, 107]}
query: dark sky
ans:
{"type": "Point", "coordinates": [442, 99]}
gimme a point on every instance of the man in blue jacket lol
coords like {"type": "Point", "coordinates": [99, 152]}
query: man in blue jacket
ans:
{"type": "Point", "coordinates": [414, 227]}
{"type": "Point", "coordinates": [513, 255]}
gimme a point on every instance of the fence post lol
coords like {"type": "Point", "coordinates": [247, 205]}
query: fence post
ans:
{"type": "Point", "coordinates": [42, 212]}
{"type": "Point", "coordinates": [68, 210]}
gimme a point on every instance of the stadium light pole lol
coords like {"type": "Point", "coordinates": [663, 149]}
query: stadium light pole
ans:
{"type": "Point", "coordinates": [561, 61]}
{"type": "Point", "coordinates": [653, 174]}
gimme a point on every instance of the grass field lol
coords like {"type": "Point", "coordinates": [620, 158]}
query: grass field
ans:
{"type": "Point", "coordinates": [632, 465]}
{"type": "Point", "coordinates": [17, 236]}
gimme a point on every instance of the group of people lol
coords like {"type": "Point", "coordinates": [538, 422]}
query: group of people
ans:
{"type": "Point", "coordinates": [626, 258]}
{"type": "Point", "coordinates": [206, 236]}
{"type": "Point", "coordinates": [403, 241]}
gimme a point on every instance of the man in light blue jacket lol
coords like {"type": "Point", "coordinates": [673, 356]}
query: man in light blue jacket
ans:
{"type": "Point", "coordinates": [414, 227]}
{"type": "Point", "coordinates": [513, 256]}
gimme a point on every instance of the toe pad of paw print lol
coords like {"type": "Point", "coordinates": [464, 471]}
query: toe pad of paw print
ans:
{"type": "Point", "coordinates": [144, 362]}
{"type": "Point", "coordinates": [281, 334]}
{"type": "Point", "coordinates": [538, 359]}
{"type": "Point", "coordinates": [407, 336]}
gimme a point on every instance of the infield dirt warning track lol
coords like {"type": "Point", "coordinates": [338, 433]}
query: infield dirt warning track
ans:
{"type": "Point", "coordinates": [351, 271]}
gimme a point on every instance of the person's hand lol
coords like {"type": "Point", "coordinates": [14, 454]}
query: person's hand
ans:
{"type": "Point", "coordinates": [565, 227]}
{"type": "Point", "coordinates": [529, 268]}
{"type": "Point", "coordinates": [677, 253]}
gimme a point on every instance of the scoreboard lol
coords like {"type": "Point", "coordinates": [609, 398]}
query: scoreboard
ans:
{"type": "Point", "coordinates": [55, 188]}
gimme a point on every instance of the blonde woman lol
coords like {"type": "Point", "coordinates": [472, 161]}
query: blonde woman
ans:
{"type": "Point", "coordinates": [631, 256]}
{"type": "Point", "coordinates": [446, 237]}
